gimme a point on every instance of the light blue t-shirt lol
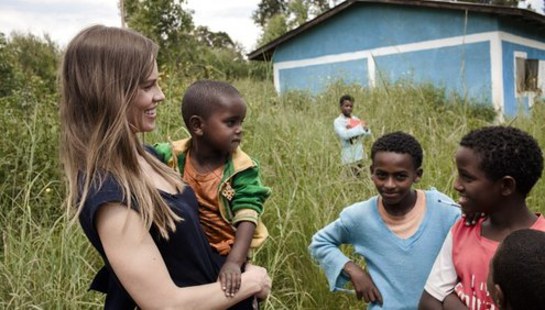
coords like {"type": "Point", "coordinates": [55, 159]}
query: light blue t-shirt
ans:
{"type": "Point", "coordinates": [399, 267]}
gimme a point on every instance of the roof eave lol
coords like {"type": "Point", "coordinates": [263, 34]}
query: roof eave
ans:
{"type": "Point", "coordinates": [265, 52]}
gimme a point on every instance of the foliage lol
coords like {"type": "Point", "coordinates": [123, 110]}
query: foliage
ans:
{"type": "Point", "coordinates": [27, 61]}
{"type": "Point", "coordinates": [266, 9]}
{"type": "Point", "coordinates": [213, 39]}
{"type": "Point", "coordinates": [276, 17]}
{"type": "Point", "coordinates": [187, 52]}
{"type": "Point", "coordinates": [275, 27]}
{"type": "Point", "coordinates": [46, 263]}
{"type": "Point", "coordinates": [165, 22]}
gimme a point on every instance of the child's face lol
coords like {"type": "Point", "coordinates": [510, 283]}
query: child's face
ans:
{"type": "Point", "coordinates": [222, 130]}
{"type": "Point", "coordinates": [346, 108]}
{"type": "Point", "coordinates": [393, 175]}
{"type": "Point", "coordinates": [477, 192]}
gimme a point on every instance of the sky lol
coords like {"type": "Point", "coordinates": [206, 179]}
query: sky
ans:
{"type": "Point", "coordinates": [62, 19]}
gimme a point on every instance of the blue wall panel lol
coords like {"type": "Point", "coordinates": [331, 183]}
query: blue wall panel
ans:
{"type": "Point", "coordinates": [464, 69]}
{"type": "Point", "coordinates": [511, 104]}
{"type": "Point", "coordinates": [369, 26]}
{"type": "Point", "coordinates": [316, 78]}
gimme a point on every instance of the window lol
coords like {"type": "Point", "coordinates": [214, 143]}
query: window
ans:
{"type": "Point", "coordinates": [527, 74]}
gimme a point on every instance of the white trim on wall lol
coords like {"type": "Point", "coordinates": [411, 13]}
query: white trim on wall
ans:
{"type": "Point", "coordinates": [496, 73]}
{"type": "Point", "coordinates": [383, 51]}
{"type": "Point", "coordinates": [496, 61]}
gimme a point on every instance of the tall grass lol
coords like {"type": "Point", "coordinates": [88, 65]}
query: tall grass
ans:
{"type": "Point", "coordinates": [45, 263]}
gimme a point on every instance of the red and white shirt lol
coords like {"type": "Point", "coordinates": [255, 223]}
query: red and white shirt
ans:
{"type": "Point", "coordinates": [462, 265]}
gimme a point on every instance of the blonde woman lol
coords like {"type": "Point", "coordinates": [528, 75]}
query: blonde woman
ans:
{"type": "Point", "coordinates": [135, 211]}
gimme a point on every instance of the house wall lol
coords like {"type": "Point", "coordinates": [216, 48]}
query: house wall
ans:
{"type": "Point", "coordinates": [464, 69]}
{"type": "Point", "coordinates": [316, 78]}
{"type": "Point", "coordinates": [526, 41]}
{"type": "Point", "coordinates": [513, 101]}
{"type": "Point", "coordinates": [472, 54]}
{"type": "Point", "coordinates": [370, 26]}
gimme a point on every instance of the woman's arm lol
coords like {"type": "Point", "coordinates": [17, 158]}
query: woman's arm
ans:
{"type": "Point", "coordinates": [138, 264]}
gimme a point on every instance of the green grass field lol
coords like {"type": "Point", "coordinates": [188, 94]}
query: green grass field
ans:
{"type": "Point", "coordinates": [47, 264]}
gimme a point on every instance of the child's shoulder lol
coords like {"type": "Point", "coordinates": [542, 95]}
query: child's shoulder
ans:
{"type": "Point", "coordinates": [435, 199]}
{"type": "Point", "coordinates": [438, 196]}
{"type": "Point", "coordinates": [361, 207]}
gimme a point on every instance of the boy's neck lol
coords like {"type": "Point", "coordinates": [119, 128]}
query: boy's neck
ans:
{"type": "Point", "coordinates": [404, 206]}
{"type": "Point", "coordinates": [206, 162]}
{"type": "Point", "coordinates": [508, 218]}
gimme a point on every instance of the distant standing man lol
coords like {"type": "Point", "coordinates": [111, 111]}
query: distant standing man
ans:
{"type": "Point", "coordinates": [350, 130]}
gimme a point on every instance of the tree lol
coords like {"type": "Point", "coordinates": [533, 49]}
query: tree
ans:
{"type": "Point", "coordinates": [165, 22]}
{"type": "Point", "coordinates": [185, 50]}
{"type": "Point", "coordinates": [27, 61]}
{"type": "Point", "coordinates": [275, 27]}
{"type": "Point", "coordinates": [277, 17]}
{"type": "Point", "coordinates": [213, 39]}
{"type": "Point", "coordinates": [266, 9]}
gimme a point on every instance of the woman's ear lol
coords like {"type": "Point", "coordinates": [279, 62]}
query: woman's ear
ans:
{"type": "Point", "coordinates": [196, 125]}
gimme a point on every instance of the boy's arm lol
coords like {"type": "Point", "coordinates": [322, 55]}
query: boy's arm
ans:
{"type": "Point", "coordinates": [442, 278]}
{"type": "Point", "coordinates": [324, 248]}
{"type": "Point", "coordinates": [230, 272]}
{"type": "Point", "coordinates": [428, 302]}
{"type": "Point", "coordinates": [344, 133]}
{"type": "Point", "coordinates": [250, 194]}
{"type": "Point", "coordinates": [363, 284]}
{"type": "Point", "coordinates": [453, 302]}
{"type": "Point", "coordinates": [164, 152]}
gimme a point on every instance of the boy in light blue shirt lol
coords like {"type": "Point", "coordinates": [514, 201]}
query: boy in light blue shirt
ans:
{"type": "Point", "coordinates": [398, 232]}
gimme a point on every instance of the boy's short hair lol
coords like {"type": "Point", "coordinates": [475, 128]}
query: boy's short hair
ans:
{"type": "Point", "coordinates": [201, 97]}
{"type": "Point", "coordinates": [507, 151]}
{"type": "Point", "coordinates": [345, 97]}
{"type": "Point", "coordinates": [518, 267]}
{"type": "Point", "coordinates": [401, 143]}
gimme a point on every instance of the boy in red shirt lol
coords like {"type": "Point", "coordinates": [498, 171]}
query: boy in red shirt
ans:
{"type": "Point", "coordinates": [497, 167]}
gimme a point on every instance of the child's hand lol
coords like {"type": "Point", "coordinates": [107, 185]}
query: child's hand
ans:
{"type": "Point", "coordinates": [363, 284]}
{"type": "Point", "coordinates": [230, 278]}
{"type": "Point", "coordinates": [471, 219]}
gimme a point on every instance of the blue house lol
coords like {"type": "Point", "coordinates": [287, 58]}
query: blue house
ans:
{"type": "Point", "coordinates": [490, 53]}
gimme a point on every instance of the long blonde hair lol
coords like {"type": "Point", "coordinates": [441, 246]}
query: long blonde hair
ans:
{"type": "Point", "coordinates": [102, 71]}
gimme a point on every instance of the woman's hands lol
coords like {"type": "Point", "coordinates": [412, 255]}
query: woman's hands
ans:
{"type": "Point", "coordinates": [363, 284]}
{"type": "Point", "coordinates": [258, 275]}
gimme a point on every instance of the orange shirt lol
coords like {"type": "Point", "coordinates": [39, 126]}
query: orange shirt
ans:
{"type": "Point", "coordinates": [219, 233]}
{"type": "Point", "coordinates": [405, 226]}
